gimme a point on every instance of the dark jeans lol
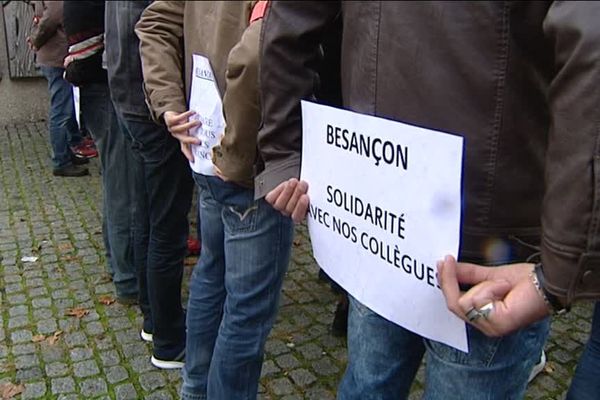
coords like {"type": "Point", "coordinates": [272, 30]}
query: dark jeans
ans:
{"type": "Point", "coordinates": [585, 384]}
{"type": "Point", "coordinates": [117, 165]}
{"type": "Point", "coordinates": [61, 117]}
{"type": "Point", "coordinates": [163, 195]}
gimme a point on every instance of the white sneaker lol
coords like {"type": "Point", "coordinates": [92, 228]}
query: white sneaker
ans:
{"type": "Point", "coordinates": [146, 337]}
{"type": "Point", "coordinates": [176, 363]}
{"type": "Point", "coordinates": [537, 368]}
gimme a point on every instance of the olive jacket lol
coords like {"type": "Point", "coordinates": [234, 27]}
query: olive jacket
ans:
{"type": "Point", "coordinates": [170, 32]}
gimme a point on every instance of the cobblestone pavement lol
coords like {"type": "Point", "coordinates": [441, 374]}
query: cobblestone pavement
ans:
{"type": "Point", "coordinates": [96, 351]}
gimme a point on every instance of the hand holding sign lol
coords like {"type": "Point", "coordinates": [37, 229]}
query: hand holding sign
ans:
{"type": "Point", "coordinates": [290, 199]}
{"type": "Point", "coordinates": [516, 301]}
{"type": "Point", "coordinates": [179, 125]}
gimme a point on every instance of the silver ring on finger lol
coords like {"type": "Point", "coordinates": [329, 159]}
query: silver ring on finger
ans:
{"type": "Point", "coordinates": [473, 314]}
{"type": "Point", "coordinates": [486, 310]}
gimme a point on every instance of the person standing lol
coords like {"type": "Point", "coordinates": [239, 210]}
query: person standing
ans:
{"type": "Point", "coordinates": [519, 81]}
{"type": "Point", "coordinates": [235, 287]}
{"type": "Point", "coordinates": [49, 42]}
{"type": "Point", "coordinates": [163, 190]}
{"type": "Point", "coordinates": [84, 25]}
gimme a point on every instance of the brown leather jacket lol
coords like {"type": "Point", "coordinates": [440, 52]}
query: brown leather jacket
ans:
{"type": "Point", "coordinates": [170, 33]}
{"type": "Point", "coordinates": [519, 80]}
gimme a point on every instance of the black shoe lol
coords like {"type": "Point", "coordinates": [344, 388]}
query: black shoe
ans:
{"type": "Point", "coordinates": [70, 170]}
{"type": "Point", "coordinates": [79, 160]}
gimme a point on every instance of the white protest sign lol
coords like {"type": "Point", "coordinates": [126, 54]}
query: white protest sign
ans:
{"type": "Point", "coordinates": [385, 206]}
{"type": "Point", "coordinates": [205, 100]}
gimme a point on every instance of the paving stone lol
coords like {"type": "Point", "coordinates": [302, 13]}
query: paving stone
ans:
{"type": "Point", "coordinates": [93, 387]}
{"type": "Point", "coordinates": [125, 392]}
{"type": "Point", "coordinates": [63, 385]}
{"type": "Point", "coordinates": [52, 353]}
{"type": "Point", "coordinates": [281, 386]}
{"type": "Point", "coordinates": [27, 348]}
{"type": "Point", "coordinates": [302, 377]}
{"type": "Point", "coordinates": [86, 368]}
{"type": "Point", "coordinates": [29, 374]}
{"type": "Point", "coordinates": [40, 302]}
{"type": "Point", "coordinates": [56, 369]}
{"type": "Point", "coordinates": [73, 339]}
{"type": "Point", "coordinates": [21, 336]}
{"type": "Point", "coordinates": [287, 361]}
{"type": "Point", "coordinates": [16, 299]}
{"type": "Point", "coordinates": [34, 390]}
{"type": "Point", "coordinates": [81, 353]}
{"type": "Point", "coordinates": [46, 327]}
{"type": "Point", "coordinates": [116, 374]}
{"type": "Point", "coordinates": [38, 291]}
{"type": "Point", "coordinates": [160, 395]}
{"type": "Point", "coordinates": [141, 364]}
{"type": "Point", "coordinates": [151, 381]}
{"type": "Point", "coordinates": [18, 310]}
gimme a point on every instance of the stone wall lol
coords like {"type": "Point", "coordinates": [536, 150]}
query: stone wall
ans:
{"type": "Point", "coordinates": [23, 99]}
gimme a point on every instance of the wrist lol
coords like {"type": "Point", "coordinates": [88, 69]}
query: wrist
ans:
{"type": "Point", "coordinates": [555, 304]}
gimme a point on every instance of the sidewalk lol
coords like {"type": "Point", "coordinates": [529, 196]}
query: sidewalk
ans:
{"type": "Point", "coordinates": [63, 337]}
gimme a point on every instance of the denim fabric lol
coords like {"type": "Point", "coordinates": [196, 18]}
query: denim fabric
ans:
{"type": "Point", "coordinates": [234, 291]}
{"type": "Point", "coordinates": [384, 357]}
{"type": "Point", "coordinates": [62, 123]}
{"type": "Point", "coordinates": [123, 57]}
{"type": "Point", "coordinates": [585, 384]}
{"type": "Point", "coordinates": [117, 168]}
{"type": "Point", "coordinates": [162, 196]}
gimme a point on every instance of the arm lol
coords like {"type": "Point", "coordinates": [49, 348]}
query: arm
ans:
{"type": "Point", "coordinates": [160, 30]}
{"type": "Point", "coordinates": [571, 211]}
{"type": "Point", "coordinates": [48, 24]}
{"type": "Point", "coordinates": [235, 155]}
{"type": "Point", "coordinates": [291, 35]}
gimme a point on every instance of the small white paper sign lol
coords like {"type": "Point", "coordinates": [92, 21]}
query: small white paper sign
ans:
{"type": "Point", "coordinates": [76, 103]}
{"type": "Point", "coordinates": [385, 206]}
{"type": "Point", "coordinates": [205, 100]}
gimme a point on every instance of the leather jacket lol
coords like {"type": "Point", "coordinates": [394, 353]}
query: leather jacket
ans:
{"type": "Point", "coordinates": [520, 81]}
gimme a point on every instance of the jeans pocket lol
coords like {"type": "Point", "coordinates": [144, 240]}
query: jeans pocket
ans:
{"type": "Point", "coordinates": [241, 218]}
{"type": "Point", "coordinates": [482, 350]}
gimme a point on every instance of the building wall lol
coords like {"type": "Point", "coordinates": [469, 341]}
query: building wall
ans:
{"type": "Point", "coordinates": [23, 99]}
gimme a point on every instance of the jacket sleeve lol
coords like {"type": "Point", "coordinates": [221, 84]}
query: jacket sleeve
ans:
{"type": "Point", "coordinates": [236, 153]}
{"type": "Point", "coordinates": [160, 30]}
{"type": "Point", "coordinates": [291, 37]}
{"type": "Point", "coordinates": [48, 24]}
{"type": "Point", "coordinates": [571, 209]}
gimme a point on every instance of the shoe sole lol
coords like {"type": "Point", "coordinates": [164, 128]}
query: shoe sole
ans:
{"type": "Point", "coordinates": [162, 364]}
{"type": "Point", "coordinates": [146, 337]}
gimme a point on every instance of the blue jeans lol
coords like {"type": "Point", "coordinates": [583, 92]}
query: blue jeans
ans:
{"type": "Point", "coordinates": [383, 359]}
{"type": "Point", "coordinates": [585, 384]}
{"type": "Point", "coordinates": [162, 197]}
{"type": "Point", "coordinates": [62, 124]}
{"type": "Point", "coordinates": [234, 291]}
{"type": "Point", "coordinates": [116, 161]}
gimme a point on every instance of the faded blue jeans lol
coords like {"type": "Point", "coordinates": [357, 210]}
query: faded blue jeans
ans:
{"type": "Point", "coordinates": [586, 383]}
{"type": "Point", "coordinates": [61, 117]}
{"type": "Point", "coordinates": [116, 160]}
{"type": "Point", "coordinates": [383, 359]}
{"type": "Point", "coordinates": [234, 291]}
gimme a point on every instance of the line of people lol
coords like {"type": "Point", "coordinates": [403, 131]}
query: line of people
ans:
{"type": "Point", "coordinates": [519, 80]}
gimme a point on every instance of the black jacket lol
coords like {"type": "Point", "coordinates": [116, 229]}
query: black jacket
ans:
{"type": "Point", "coordinates": [84, 20]}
